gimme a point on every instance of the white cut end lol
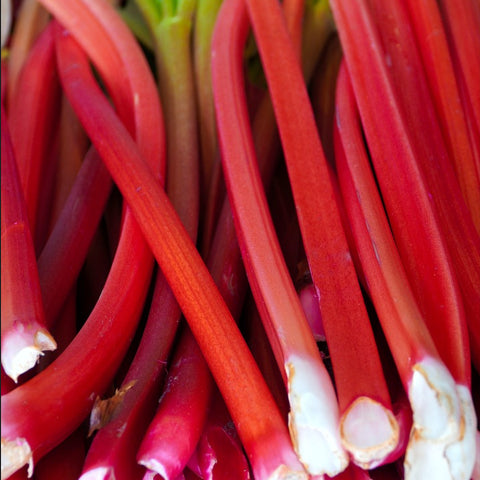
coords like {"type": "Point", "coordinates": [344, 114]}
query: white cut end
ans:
{"type": "Point", "coordinates": [15, 455]}
{"type": "Point", "coordinates": [20, 352]}
{"type": "Point", "coordinates": [314, 419]}
{"type": "Point", "coordinates": [369, 432]}
{"type": "Point", "coordinates": [99, 473]}
{"type": "Point", "coordinates": [285, 473]}
{"type": "Point", "coordinates": [433, 397]}
{"type": "Point", "coordinates": [460, 455]}
{"type": "Point", "coordinates": [449, 455]}
{"type": "Point", "coordinates": [155, 467]}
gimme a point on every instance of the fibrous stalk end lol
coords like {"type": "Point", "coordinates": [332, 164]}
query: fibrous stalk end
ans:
{"type": "Point", "coordinates": [99, 473]}
{"type": "Point", "coordinates": [15, 454]}
{"type": "Point", "coordinates": [21, 353]}
{"type": "Point", "coordinates": [442, 440]}
{"type": "Point", "coordinates": [285, 473]}
{"type": "Point", "coordinates": [369, 432]}
{"type": "Point", "coordinates": [313, 418]}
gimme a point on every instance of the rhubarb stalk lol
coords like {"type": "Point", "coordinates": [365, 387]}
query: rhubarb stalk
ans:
{"type": "Point", "coordinates": [33, 118]}
{"type": "Point", "coordinates": [430, 387]}
{"type": "Point", "coordinates": [296, 350]}
{"type": "Point", "coordinates": [209, 319]}
{"type": "Point", "coordinates": [24, 333]}
{"type": "Point", "coordinates": [30, 414]}
{"type": "Point", "coordinates": [341, 304]}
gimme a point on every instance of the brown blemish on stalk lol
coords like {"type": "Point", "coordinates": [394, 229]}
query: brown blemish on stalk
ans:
{"type": "Point", "coordinates": [104, 410]}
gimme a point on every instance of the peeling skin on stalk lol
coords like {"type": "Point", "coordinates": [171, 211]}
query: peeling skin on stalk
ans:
{"type": "Point", "coordinates": [103, 410]}
{"type": "Point", "coordinates": [313, 419]}
{"type": "Point", "coordinates": [20, 353]}
{"type": "Point", "coordinates": [15, 454]}
{"type": "Point", "coordinates": [369, 432]}
{"type": "Point", "coordinates": [451, 456]}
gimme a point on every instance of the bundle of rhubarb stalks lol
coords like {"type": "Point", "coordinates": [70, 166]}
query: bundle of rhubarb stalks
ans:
{"type": "Point", "coordinates": [240, 239]}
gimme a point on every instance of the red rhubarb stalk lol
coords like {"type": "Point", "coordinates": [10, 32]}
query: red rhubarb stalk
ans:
{"type": "Point", "coordinates": [28, 413]}
{"type": "Point", "coordinates": [72, 234]}
{"type": "Point", "coordinates": [111, 454]}
{"type": "Point", "coordinates": [65, 461]}
{"type": "Point", "coordinates": [433, 46]}
{"type": "Point", "coordinates": [264, 436]}
{"type": "Point", "coordinates": [30, 20]}
{"type": "Point", "coordinates": [461, 242]}
{"type": "Point", "coordinates": [33, 119]}
{"type": "Point", "coordinates": [462, 21]}
{"type": "Point", "coordinates": [72, 147]}
{"type": "Point", "coordinates": [190, 379]}
{"type": "Point", "coordinates": [429, 385]}
{"type": "Point", "coordinates": [279, 306]}
{"type": "Point", "coordinates": [219, 454]}
{"type": "Point", "coordinates": [24, 332]}
{"type": "Point", "coordinates": [172, 437]}
{"type": "Point", "coordinates": [363, 396]}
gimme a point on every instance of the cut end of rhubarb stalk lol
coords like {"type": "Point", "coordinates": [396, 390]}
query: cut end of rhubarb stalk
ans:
{"type": "Point", "coordinates": [460, 454]}
{"type": "Point", "coordinates": [369, 432]}
{"type": "Point", "coordinates": [285, 473]}
{"type": "Point", "coordinates": [155, 467]}
{"type": "Point", "coordinates": [15, 454]}
{"type": "Point", "coordinates": [313, 418]}
{"type": "Point", "coordinates": [433, 397]}
{"type": "Point", "coordinates": [21, 353]}
{"type": "Point", "coordinates": [100, 473]}
{"type": "Point", "coordinates": [442, 441]}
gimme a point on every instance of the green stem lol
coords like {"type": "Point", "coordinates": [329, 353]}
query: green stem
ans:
{"type": "Point", "coordinates": [171, 34]}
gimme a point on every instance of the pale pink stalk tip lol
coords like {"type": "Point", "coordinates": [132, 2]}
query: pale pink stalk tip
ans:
{"type": "Point", "coordinates": [369, 432]}
{"type": "Point", "coordinates": [15, 454]}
